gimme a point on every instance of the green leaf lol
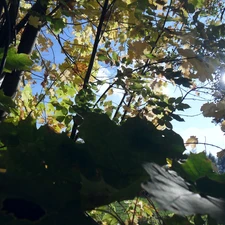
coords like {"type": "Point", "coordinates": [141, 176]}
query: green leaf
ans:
{"type": "Point", "coordinates": [60, 118]}
{"type": "Point", "coordinates": [26, 93]}
{"type": "Point", "coordinates": [115, 56]}
{"type": "Point", "coordinates": [196, 166]}
{"type": "Point", "coordinates": [6, 103]}
{"type": "Point", "coordinates": [182, 106]}
{"type": "Point", "coordinates": [178, 100]}
{"type": "Point", "coordinates": [150, 56]}
{"type": "Point", "coordinates": [102, 57]}
{"type": "Point", "coordinates": [168, 125]}
{"type": "Point", "coordinates": [177, 117]}
{"type": "Point", "coordinates": [136, 86]}
{"type": "Point", "coordinates": [68, 119]}
{"type": "Point", "coordinates": [177, 220]}
{"type": "Point", "coordinates": [156, 111]}
{"type": "Point", "coordinates": [57, 24]}
{"type": "Point", "coordinates": [197, 3]}
{"type": "Point", "coordinates": [171, 100]}
{"type": "Point", "coordinates": [109, 219]}
{"type": "Point", "coordinates": [15, 61]}
{"type": "Point", "coordinates": [136, 137]}
{"type": "Point", "coordinates": [162, 104]}
{"type": "Point", "coordinates": [198, 220]}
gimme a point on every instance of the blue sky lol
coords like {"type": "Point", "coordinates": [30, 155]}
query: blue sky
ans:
{"type": "Point", "coordinates": [195, 123]}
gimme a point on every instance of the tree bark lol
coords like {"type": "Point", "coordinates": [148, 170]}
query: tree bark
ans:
{"type": "Point", "coordinates": [10, 81]}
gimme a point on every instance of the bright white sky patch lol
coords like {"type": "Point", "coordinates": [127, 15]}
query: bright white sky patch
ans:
{"type": "Point", "coordinates": [107, 74]}
{"type": "Point", "coordinates": [223, 78]}
{"type": "Point", "coordinates": [196, 124]}
{"type": "Point", "coordinates": [210, 135]}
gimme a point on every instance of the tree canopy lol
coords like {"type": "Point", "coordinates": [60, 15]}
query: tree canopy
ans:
{"type": "Point", "coordinates": [82, 106]}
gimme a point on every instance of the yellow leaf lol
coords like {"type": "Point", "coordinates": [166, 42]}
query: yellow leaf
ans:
{"type": "Point", "coordinates": [214, 110]}
{"type": "Point", "coordinates": [192, 141]}
{"type": "Point", "coordinates": [185, 68]}
{"type": "Point", "coordinates": [53, 66]}
{"type": "Point", "coordinates": [202, 65]}
{"type": "Point", "coordinates": [148, 210]}
{"type": "Point", "coordinates": [41, 121]}
{"type": "Point", "coordinates": [44, 43]}
{"type": "Point", "coordinates": [137, 48]}
{"type": "Point", "coordinates": [37, 68]}
{"type": "Point", "coordinates": [221, 153]}
{"type": "Point", "coordinates": [80, 67]}
{"type": "Point", "coordinates": [34, 21]}
{"type": "Point", "coordinates": [152, 2]}
{"type": "Point", "coordinates": [25, 5]}
{"type": "Point", "coordinates": [208, 109]}
{"type": "Point", "coordinates": [223, 126]}
{"type": "Point", "coordinates": [52, 92]}
{"type": "Point", "coordinates": [128, 1]}
{"type": "Point", "coordinates": [127, 108]}
{"type": "Point", "coordinates": [110, 91]}
{"type": "Point", "coordinates": [169, 162]}
{"type": "Point", "coordinates": [2, 170]}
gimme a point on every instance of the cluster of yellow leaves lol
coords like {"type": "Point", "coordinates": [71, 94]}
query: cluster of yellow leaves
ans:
{"type": "Point", "coordinates": [204, 67]}
{"type": "Point", "coordinates": [44, 43]}
{"type": "Point", "coordinates": [216, 110]}
{"type": "Point", "coordinates": [27, 104]}
{"type": "Point", "coordinates": [136, 49]}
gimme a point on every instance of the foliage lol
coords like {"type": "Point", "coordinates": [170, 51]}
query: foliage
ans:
{"type": "Point", "coordinates": [82, 103]}
{"type": "Point", "coordinates": [221, 164]}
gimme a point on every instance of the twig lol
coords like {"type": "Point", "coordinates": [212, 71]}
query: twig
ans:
{"type": "Point", "coordinates": [117, 215]}
{"type": "Point", "coordinates": [44, 95]}
{"type": "Point", "coordinates": [156, 211]}
{"type": "Point", "coordinates": [199, 114]}
{"type": "Point", "coordinates": [203, 143]}
{"type": "Point", "coordinates": [74, 130]}
{"type": "Point", "coordinates": [125, 112]}
{"type": "Point", "coordinates": [124, 209]}
{"type": "Point", "coordinates": [120, 104]}
{"type": "Point", "coordinates": [107, 89]}
{"type": "Point", "coordinates": [135, 207]}
{"type": "Point", "coordinates": [95, 46]}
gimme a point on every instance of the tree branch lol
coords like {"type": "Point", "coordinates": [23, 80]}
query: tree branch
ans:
{"type": "Point", "coordinates": [95, 47]}
{"type": "Point", "coordinates": [92, 59]}
{"type": "Point", "coordinates": [28, 38]}
{"type": "Point", "coordinates": [120, 104]}
{"type": "Point", "coordinates": [6, 28]}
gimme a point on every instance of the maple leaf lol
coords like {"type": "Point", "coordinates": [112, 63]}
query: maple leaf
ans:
{"type": "Point", "coordinates": [201, 64]}
{"type": "Point", "coordinates": [208, 109]}
{"type": "Point", "coordinates": [137, 48]}
{"type": "Point", "coordinates": [216, 110]}
{"type": "Point", "coordinates": [34, 21]}
{"type": "Point", "coordinates": [221, 153]}
{"type": "Point", "coordinates": [223, 126]}
{"type": "Point", "coordinates": [192, 141]}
